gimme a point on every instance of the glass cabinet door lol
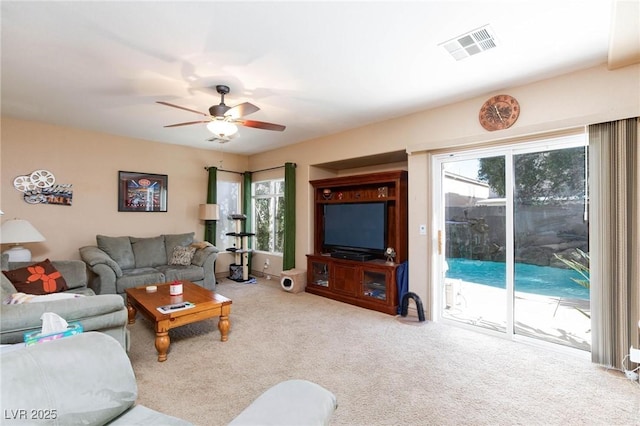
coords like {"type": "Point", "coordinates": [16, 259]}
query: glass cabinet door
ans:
{"type": "Point", "coordinates": [320, 274]}
{"type": "Point", "coordinates": [374, 284]}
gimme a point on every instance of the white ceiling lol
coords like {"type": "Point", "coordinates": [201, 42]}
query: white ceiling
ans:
{"type": "Point", "coordinates": [317, 67]}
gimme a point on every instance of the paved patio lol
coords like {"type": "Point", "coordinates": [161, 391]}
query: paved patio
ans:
{"type": "Point", "coordinates": [556, 320]}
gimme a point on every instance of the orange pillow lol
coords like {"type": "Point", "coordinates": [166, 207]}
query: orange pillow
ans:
{"type": "Point", "coordinates": [39, 278]}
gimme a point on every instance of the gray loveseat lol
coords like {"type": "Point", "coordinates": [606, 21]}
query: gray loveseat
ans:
{"type": "Point", "coordinates": [118, 263]}
{"type": "Point", "coordinates": [106, 313]}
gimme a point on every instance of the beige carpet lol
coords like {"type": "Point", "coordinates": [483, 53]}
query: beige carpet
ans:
{"type": "Point", "coordinates": [384, 371]}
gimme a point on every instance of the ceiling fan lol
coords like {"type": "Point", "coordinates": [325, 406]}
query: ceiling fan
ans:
{"type": "Point", "coordinates": [222, 119]}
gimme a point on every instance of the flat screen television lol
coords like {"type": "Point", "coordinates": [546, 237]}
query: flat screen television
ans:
{"type": "Point", "coordinates": [360, 227]}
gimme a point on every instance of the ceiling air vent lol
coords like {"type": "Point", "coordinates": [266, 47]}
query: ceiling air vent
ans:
{"type": "Point", "coordinates": [471, 43]}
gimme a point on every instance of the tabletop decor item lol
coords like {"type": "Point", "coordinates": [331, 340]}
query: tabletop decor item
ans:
{"type": "Point", "coordinates": [390, 253]}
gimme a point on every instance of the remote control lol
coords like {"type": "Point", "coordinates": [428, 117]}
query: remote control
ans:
{"type": "Point", "coordinates": [175, 307]}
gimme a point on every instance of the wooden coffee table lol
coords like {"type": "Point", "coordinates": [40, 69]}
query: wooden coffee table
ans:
{"type": "Point", "coordinates": [208, 305]}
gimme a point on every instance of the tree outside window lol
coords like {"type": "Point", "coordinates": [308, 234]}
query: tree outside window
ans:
{"type": "Point", "coordinates": [268, 208]}
{"type": "Point", "coordinates": [543, 177]}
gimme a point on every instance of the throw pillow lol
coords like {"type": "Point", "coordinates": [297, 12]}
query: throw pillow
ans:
{"type": "Point", "coordinates": [149, 252]}
{"type": "Point", "coordinates": [182, 256]}
{"type": "Point", "coordinates": [39, 278]}
{"type": "Point", "coordinates": [201, 244]}
{"type": "Point", "coordinates": [174, 240]}
{"type": "Point", "coordinates": [119, 249]}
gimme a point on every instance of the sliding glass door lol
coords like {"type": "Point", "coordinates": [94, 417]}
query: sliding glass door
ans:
{"type": "Point", "coordinates": [514, 235]}
{"type": "Point", "coordinates": [474, 256]}
{"type": "Point", "coordinates": [551, 235]}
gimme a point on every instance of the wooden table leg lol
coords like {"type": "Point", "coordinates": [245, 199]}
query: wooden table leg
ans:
{"type": "Point", "coordinates": [162, 341]}
{"type": "Point", "coordinates": [223, 326]}
{"type": "Point", "coordinates": [131, 311]}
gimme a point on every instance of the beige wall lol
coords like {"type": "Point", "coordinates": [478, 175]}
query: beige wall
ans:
{"type": "Point", "coordinates": [90, 162]}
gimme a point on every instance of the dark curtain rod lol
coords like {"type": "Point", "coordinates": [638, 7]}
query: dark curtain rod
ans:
{"type": "Point", "coordinates": [242, 173]}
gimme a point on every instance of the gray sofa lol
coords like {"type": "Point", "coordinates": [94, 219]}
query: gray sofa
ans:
{"type": "Point", "coordinates": [118, 263]}
{"type": "Point", "coordinates": [58, 382]}
{"type": "Point", "coordinates": [106, 313]}
{"type": "Point", "coordinates": [84, 379]}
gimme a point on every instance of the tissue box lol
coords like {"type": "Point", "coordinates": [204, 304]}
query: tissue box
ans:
{"type": "Point", "coordinates": [34, 337]}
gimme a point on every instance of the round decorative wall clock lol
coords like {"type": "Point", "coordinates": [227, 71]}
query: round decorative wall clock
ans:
{"type": "Point", "coordinates": [499, 112]}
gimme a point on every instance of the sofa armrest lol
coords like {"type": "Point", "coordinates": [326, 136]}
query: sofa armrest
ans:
{"type": "Point", "coordinates": [92, 256]}
{"type": "Point", "coordinates": [206, 258]}
{"type": "Point", "coordinates": [26, 316]}
{"type": "Point", "coordinates": [201, 256]}
{"type": "Point", "coordinates": [292, 402]}
{"type": "Point", "coordinates": [103, 279]}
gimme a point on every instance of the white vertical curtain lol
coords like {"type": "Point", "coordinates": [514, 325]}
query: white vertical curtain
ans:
{"type": "Point", "coordinates": [614, 164]}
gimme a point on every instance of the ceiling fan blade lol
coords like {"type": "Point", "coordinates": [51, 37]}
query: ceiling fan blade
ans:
{"type": "Point", "coordinates": [178, 106]}
{"type": "Point", "coordinates": [188, 123]}
{"type": "Point", "coordinates": [241, 110]}
{"type": "Point", "coordinates": [262, 125]}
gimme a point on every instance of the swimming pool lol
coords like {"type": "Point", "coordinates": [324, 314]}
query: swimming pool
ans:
{"type": "Point", "coordinates": [544, 280]}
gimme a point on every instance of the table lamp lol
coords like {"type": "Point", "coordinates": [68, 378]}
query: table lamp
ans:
{"type": "Point", "coordinates": [209, 212]}
{"type": "Point", "coordinates": [18, 231]}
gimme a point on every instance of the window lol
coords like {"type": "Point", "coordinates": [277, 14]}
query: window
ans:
{"type": "Point", "coordinates": [268, 209]}
{"type": "Point", "coordinates": [229, 203]}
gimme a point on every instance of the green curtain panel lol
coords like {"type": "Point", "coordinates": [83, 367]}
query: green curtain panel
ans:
{"type": "Point", "coordinates": [246, 208]}
{"type": "Point", "coordinates": [289, 252]}
{"type": "Point", "coordinates": [212, 197]}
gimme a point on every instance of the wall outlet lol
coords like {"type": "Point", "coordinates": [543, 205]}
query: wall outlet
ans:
{"type": "Point", "coordinates": [634, 355]}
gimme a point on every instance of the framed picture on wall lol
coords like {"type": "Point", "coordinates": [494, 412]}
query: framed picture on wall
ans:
{"type": "Point", "coordinates": [142, 192]}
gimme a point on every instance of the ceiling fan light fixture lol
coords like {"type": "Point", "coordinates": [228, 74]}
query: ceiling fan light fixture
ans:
{"type": "Point", "coordinates": [222, 128]}
{"type": "Point", "coordinates": [221, 118]}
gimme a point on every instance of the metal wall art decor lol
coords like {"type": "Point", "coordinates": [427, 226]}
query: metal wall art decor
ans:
{"type": "Point", "coordinates": [142, 192]}
{"type": "Point", "coordinates": [39, 187]}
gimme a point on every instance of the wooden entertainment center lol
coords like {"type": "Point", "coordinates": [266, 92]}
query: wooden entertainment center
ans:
{"type": "Point", "coordinates": [369, 283]}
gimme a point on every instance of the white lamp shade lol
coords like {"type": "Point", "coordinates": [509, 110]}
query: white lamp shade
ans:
{"type": "Point", "coordinates": [17, 231]}
{"type": "Point", "coordinates": [222, 128]}
{"type": "Point", "coordinates": [209, 212]}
